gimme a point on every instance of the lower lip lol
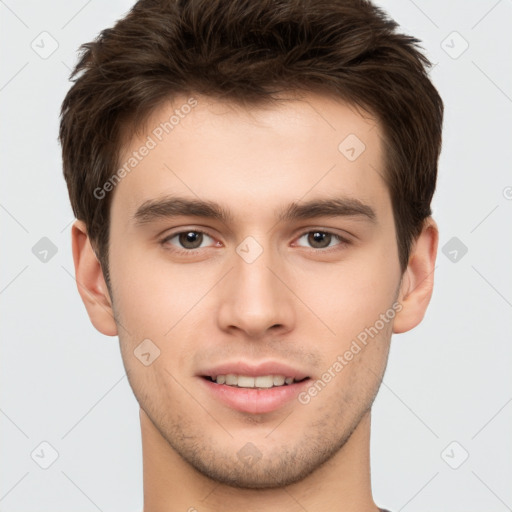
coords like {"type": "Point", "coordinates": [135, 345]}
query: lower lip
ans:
{"type": "Point", "coordinates": [255, 400]}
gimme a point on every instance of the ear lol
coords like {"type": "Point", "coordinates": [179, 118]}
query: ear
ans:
{"type": "Point", "coordinates": [418, 279]}
{"type": "Point", "coordinates": [91, 283]}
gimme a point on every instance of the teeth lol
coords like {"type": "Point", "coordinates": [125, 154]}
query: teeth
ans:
{"type": "Point", "coordinates": [278, 380]}
{"type": "Point", "coordinates": [231, 380]}
{"type": "Point", "coordinates": [246, 381]}
{"type": "Point", "coordinates": [266, 381]}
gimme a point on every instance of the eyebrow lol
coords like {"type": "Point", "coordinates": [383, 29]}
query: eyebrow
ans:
{"type": "Point", "coordinates": [172, 206]}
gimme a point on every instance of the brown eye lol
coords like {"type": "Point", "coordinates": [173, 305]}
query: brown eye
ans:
{"type": "Point", "coordinates": [319, 239]}
{"type": "Point", "coordinates": [188, 240]}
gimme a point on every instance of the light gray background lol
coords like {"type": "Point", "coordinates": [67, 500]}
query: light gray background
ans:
{"type": "Point", "coordinates": [448, 380]}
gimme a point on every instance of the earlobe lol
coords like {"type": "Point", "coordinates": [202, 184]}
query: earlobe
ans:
{"type": "Point", "coordinates": [91, 283]}
{"type": "Point", "coordinates": [418, 280]}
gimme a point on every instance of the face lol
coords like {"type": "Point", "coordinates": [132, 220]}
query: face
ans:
{"type": "Point", "coordinates": [248, 247]}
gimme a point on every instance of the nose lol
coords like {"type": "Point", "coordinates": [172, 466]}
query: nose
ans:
{"type": "Point", "coordinates": [256, 297]}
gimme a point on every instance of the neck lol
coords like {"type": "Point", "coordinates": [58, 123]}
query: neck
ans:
{"type": "Point", "coordinates": [342, 484]}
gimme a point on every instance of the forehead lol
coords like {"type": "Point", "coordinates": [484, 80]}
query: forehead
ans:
{"type": "Point", "coordinates": [254, 159]}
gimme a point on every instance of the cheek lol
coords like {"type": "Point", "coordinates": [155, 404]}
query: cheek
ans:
{"type": "Point", "coordinates": [351, 296]}
{"type": "Point", "coordinates": [163, 303]}
{"type": "Point", "coordinates": [151, 295]}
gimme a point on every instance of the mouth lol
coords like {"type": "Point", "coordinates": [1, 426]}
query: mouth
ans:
{"type": "Point", "coordinates": [253, 388]}
{"type": "Point", "coordinates": [254, 395]}
{"type": "Point", "coordinates": [254, 382]}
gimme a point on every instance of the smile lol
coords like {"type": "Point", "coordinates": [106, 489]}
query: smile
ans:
{"type": "Point", "coordinates": [247, 381]}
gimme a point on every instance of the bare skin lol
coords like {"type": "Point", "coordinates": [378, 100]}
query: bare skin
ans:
{"type": "Point", "coordinates": [301, 302]}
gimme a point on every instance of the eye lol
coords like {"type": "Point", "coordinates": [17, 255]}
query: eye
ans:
{"type": "Point", "coordinates": [188, 240]}
{"type": "Point", "coordinates": [322, 239]}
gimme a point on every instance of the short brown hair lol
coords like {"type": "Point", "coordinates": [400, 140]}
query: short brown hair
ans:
{"type": "Point", "coordinates": [248, 51]}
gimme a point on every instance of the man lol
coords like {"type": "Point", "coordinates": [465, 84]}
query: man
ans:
{"type": "Point", "coordinates": [252, 185]}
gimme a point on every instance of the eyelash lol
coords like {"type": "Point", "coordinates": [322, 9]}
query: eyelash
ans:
{"type": "Point", "coordinates": [342, 241]}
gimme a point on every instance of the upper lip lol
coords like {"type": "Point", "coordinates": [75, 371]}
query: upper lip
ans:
{"type": "Point", "coordinates": [254, 369]}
